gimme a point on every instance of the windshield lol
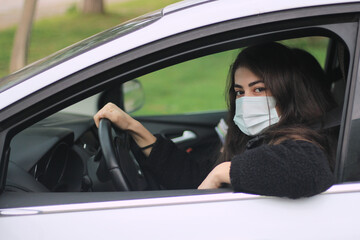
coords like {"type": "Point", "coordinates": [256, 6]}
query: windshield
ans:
{"type": "Point", "coordinates": [78, 48]}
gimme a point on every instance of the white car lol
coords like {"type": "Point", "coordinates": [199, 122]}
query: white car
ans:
{"type": "Point", "coordinates": [53, 178]}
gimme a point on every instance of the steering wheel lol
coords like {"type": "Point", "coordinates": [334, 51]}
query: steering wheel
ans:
{"type": "Point", "coordinates": [122, 168]}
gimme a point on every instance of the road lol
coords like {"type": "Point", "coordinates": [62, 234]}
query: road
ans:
{"type": "Point", "coordinates": [10, 10]}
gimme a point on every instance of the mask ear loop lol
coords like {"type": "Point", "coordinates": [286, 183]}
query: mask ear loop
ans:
{"type": "Point", "coordinates": [268, 105]}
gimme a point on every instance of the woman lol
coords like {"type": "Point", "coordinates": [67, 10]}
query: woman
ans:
{"type": "Point", "coordinates": [270, 148]}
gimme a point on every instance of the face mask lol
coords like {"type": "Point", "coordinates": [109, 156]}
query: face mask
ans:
{"type": "Point", "coordinates": [254, 114]}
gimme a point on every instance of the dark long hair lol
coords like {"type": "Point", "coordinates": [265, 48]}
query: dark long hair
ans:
{"type": "Point", "coordinates": [296, 81]}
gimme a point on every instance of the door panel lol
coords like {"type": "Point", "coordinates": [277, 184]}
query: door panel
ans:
{"type": "Point", "coordinates": [200, 137]}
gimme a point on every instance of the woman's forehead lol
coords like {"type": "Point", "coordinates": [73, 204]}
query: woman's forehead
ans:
{"type": "Point", "coordinates": [244, 77]}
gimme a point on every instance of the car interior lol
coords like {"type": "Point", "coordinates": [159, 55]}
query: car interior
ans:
{"type": "Point", "coordinates": [62, 153]}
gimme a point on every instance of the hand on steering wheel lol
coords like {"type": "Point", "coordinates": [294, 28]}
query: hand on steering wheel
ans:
{"type": "Point", "coordinates": [123, 169]}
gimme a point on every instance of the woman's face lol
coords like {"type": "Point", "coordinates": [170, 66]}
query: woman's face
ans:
{"type": "Point", "coordinates": [247, 84]}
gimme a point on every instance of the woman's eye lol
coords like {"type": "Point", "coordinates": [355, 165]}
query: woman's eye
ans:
{"type": "Point", "coordinates": [259, 90]}
{"type": "Point", "coordinates": [239, 93]}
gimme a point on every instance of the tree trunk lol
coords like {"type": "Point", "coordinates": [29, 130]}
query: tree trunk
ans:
{"type": "Point", "coordinates": [22, 36]}
{"type": "Point", "coordinates": [93, 6]}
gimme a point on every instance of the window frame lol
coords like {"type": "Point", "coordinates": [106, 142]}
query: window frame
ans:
{"type": "Point", "coordinates": [352, 99]}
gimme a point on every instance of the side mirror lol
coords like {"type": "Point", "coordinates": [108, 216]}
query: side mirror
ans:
{"type": "Point", "coordinates": [134, 95]}
{"type": "Point", "coordinates": [128, 96]}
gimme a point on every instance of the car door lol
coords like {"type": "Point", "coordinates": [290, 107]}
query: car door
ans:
{"type": "Point", "coordinates": [203, 214]}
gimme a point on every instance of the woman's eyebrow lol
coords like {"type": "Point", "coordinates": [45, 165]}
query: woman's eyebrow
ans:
{"type": "Point", "coordinates": [250, 84]}
{"type": "Point", "coordinates": [256, 82]}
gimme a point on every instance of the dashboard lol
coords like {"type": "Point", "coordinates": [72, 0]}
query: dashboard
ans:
{"type": "Point", "coordinates": [53, 154]}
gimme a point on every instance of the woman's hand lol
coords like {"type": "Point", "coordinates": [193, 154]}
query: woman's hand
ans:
{"type": "Point", "coordinates": [117, 116]}
{"type": "Point", "coordinates": [125, 122]}
{"type": "Point", "coordinates": [219, 175]}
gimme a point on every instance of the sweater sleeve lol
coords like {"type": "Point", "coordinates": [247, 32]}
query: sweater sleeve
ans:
{"type": "Point", "coordinates": [174, 168]}
{"type": "Point", "coordinates": [291, 169]}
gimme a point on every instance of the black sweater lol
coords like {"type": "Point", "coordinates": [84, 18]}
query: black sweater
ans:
{"type": "Point", "coordinates": [291, 169]}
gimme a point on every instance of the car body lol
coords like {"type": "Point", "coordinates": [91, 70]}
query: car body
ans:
{"type": "Point", "coordinates": [48, 150]}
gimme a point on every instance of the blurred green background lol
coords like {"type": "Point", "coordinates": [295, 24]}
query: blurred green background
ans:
{"type": "Point", "coordinates": [52, 34]}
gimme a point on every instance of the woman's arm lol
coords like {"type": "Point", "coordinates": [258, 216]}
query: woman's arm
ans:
{"type": "Point", "coordinates": [125, 122]}
{"type": "Point", "coordinates": [290, 169]}
{"type": "Point", "coordinates": [173, 167]}
{"type": "Point", "coordinates": [219, 175]}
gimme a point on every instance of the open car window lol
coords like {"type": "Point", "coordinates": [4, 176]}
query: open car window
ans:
{"type": "Point", "coordinates": [62, 151]}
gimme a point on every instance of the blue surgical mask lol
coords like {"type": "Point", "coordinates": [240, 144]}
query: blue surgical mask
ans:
{"type": "Point", "coordinates": [254, 114]}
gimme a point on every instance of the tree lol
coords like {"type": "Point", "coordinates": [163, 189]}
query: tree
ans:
{"type": "Point", "coordinates": [93, 6]}
{"type": "Point", "coordinates": [22, 36]}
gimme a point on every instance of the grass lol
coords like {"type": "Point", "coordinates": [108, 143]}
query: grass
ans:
{"type": "Point", "coordinates": [196, 85]}
{"type": "Point", "coordinates": [6, 38]}
{"type": "Point", "coordinates": [52, 34]}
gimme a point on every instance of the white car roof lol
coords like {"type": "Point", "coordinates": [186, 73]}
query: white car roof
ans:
{"type": "Point", "coordinates": [251, 7]}
{"type": "Point", "coordinates": [177, 18]}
